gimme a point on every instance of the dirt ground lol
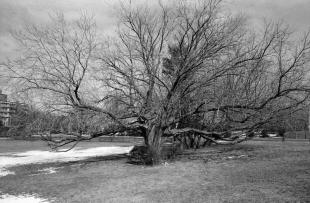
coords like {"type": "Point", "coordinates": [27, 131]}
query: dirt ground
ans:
{"type": "Point", "coordinates": [254, 171]}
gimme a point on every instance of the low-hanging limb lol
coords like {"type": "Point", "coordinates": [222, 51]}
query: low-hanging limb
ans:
{"type": "Point", "coordinates": [55, 144]}
{"type": "Point", "coordinates": [215, 137]}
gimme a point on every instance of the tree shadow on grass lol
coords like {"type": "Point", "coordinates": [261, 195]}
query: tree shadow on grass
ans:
{"type": "Point", "coordinates": [96, 159]}
{"type": "Point", "coordinates": [221, 153]}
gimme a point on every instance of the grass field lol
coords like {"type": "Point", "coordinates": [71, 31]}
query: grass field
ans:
{"type": "Point", "coordinates": [254, 171]}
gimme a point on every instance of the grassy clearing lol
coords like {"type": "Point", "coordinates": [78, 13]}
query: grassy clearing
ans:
{"type": "Point", "coordinates": [255, 171]}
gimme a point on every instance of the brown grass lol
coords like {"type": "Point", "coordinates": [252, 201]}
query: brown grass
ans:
{"type": "Point", "coordinates": [256, 171]}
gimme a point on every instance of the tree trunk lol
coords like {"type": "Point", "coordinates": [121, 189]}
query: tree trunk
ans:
{"type": "Point", "coordinates": [154, 145]}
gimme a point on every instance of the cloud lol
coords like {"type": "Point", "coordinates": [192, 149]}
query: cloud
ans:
{"type": "Point", "coordinates": [12, 16]}
{"type": "Point", "coordinates": [16, 13]}
{"type": "Point", "coordinates": [294, 13]}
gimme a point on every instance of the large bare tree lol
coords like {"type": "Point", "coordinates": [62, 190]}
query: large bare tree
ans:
{"type": "Point", "coordinates": [168, 66]}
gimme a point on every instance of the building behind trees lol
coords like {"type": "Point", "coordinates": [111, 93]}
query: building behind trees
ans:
{"type": "Point", "coordinates": [6, 110]}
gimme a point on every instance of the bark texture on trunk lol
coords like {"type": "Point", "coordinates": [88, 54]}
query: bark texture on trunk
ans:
{"type": "Point", "coordinates": [154, 144]}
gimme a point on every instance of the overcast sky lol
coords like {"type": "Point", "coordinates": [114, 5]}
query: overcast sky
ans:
{"type": "Point", "coordinates": [15, 13]}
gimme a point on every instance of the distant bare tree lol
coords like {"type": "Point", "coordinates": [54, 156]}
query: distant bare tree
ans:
{"type": "Point", "coordinates": [56, 58]}
{"type": "Point", "coordinates": [167, 66]}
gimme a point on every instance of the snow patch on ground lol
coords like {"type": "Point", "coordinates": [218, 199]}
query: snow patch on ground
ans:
{"type": "Point", "coordinates": [45, 171]}
{"type": "Point", "coordinates": [235, 156]}
{"type": "Point", "coordinates": [30, 157]}
{"type": "Point", "coordinates": [4, 172]}
{"type": "Point", "coordinates": [21, 199]}
{"type": "Point", "coordinates": [49, 170]}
